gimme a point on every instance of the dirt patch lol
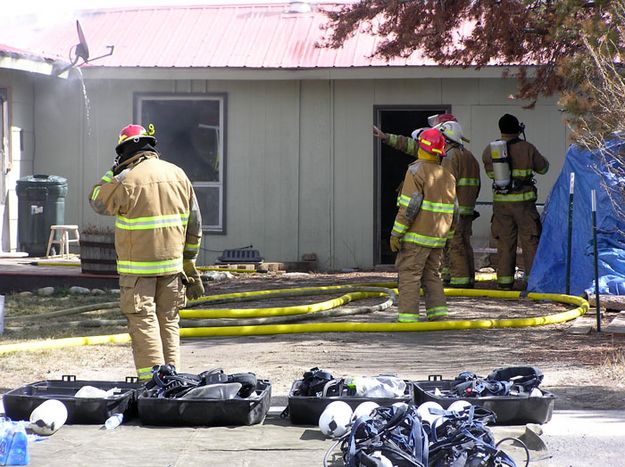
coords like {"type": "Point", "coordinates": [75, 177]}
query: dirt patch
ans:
{"type": "Point", "coordinates": [584, 371]}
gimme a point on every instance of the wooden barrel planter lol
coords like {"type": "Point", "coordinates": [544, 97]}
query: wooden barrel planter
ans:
{"type": "Point", "coordinates": [97, 253]}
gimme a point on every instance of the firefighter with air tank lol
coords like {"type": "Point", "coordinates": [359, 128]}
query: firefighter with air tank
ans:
{"type": "Point", "coordinates": [511, 162]}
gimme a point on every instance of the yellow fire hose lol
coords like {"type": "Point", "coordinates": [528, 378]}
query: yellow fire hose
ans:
{"type": "Point", "coordinates": [581, 308]}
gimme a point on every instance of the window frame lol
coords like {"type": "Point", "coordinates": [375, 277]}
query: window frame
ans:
{"type": "Point", "coordinates": [222, 98]}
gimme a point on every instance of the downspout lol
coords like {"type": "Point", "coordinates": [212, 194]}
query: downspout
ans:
{"type": "Point", "coordinates": [332, 197]}
{"type": "Point", "coordinates": [299, 168]}
{"type": "Point", "coordinates": [81, 157]}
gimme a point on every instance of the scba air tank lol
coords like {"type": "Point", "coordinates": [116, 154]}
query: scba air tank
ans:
{"type": "Point", "coordinates": [501, 164]}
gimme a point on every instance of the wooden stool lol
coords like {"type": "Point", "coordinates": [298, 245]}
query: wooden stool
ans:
{"type": "Point", "coordinates": [64, 238]}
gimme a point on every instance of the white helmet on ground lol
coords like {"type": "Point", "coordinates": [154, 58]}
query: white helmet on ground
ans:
{"type": "Point", "coordinates": [48, 417]}
{"type": "Point", "coordinates": [425, 412]}
{"type": "Point", "coordinates": [335, 419]}
{"type": "Point", "coordinates": [459, 406]}
{"type": "Point", "coordinates": [364, 409]}
{"type": "Point", "coordinates": [453, 132]}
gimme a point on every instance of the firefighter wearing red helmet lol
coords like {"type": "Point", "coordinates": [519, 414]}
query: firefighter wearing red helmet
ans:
{"type": "Point", "coordinates": [458, 259]}
{"type": "Point", "coordinates": [427, 207]}
{"type": "Point", "coordinates": [157, 239]}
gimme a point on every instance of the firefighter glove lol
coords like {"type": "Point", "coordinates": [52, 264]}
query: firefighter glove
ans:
{"type": "Point", "coordinates": [395, 244]}
{"type": "Point", "coordinates": [195, 288]}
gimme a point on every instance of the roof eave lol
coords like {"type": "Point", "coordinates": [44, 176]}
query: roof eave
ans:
{"type": "Point", "coordinates": [246, 73]}
{"type": "Point", "coordinates": [31, 65]}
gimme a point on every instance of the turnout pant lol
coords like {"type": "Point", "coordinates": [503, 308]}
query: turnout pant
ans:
{"type": "Point", "coordinates": [419, 266]}
{"type": "Point", "coordinates": [511, 221]}
{"type": "Point", "coordinates": [459, 254]}
{"type": "Point", "coordinates": [151, 306]}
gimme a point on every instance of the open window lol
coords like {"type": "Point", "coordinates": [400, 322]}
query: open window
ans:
{"type": "Point", "coordinates": [190, 130]}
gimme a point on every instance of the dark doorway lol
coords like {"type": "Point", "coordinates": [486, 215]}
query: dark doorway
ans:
{"type": "Point", "coordinates": [391, 168]}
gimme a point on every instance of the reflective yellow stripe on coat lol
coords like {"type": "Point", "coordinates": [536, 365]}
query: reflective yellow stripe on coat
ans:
{"type": "Point", "coordinates": [152, 222]}
{"type": "Point", "coordinates": [149, 268]}
{"type": "Point", "coordinates": [437, 207]}
{"type": "Point", "coordinates": [468, 182]}
{"type": "Point", "coordinates": [424, 240]}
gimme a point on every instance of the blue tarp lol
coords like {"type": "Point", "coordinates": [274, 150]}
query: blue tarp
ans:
{"type": "Point", "coordinates": [549, 269]}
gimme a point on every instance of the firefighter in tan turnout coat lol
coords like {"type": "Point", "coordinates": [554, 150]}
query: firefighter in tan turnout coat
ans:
{"type": "Point", "coordinates": [458, 258]}
{"type": "Point", "coordinates": [422, 226]}
{"type": "Point", "coordinates": [465, 168]}
{"type": "Point", "coordinates": [157, 238]}
{"type": "Point", "coordinates": [514, 198]}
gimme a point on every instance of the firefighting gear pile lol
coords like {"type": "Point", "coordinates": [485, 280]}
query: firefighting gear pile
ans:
{"type": "Point", "coordinates": [313, 382]}
{"type": "Point", "coordinates": [400, 436]}
{"type": "Point", "coordinates": [211, 384]}
{"type": "Point", "coordinates": [320, 383]}
{"type": "Point", "coordinates": [500, 382]}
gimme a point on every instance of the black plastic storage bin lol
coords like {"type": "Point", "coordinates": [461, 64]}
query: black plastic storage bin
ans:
{"type": "Point", "coordinates": [206, 412]}
{"type": "Point", "coordinates": [306, 410]}
{"type": "Point", "coordinates": [510, 410]}
{"type": "Point", "coordinates": [19, 403]}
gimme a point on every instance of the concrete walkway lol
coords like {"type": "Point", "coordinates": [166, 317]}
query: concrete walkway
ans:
{"type": "Point", "coordinates": [573, 438]}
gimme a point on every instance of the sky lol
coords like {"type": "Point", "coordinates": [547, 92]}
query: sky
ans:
{"type": "Point", "coordinates": [24, 7]}
{"type": "Point", "coordinates": [23, 17]}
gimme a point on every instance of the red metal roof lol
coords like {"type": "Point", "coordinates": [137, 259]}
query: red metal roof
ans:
{"type": "Point", "coordinates": [218, 36]}
{"type": "Point", "coordinates": [14, 52]}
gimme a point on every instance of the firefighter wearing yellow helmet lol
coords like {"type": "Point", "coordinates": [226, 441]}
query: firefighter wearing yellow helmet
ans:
{"type": "Point", "coordinates": [157, 238]}
{"type": "Point", "coordinates": [427, 205]}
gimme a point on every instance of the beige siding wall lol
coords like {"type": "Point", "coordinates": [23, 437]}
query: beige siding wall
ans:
{"type": "Point", "coordinates": [300, 169]}
{"type": "Point", "coordinates": [21, 147]}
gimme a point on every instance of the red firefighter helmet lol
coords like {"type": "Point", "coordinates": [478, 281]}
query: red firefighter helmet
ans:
{"type": "Point", "coordinates": [437, 119]}
{"type": "Point", "coordinates": [432, 141]}
{"type": "Point", "coordinates": [135, 133]}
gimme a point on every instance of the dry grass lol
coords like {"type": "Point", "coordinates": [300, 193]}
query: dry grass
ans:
{"type": "Point", "coordinates": [103, 362]}
{"type": "Point", "coordinates": [27, 316]}
{"type": "Point", "coordinates": [613, 366]}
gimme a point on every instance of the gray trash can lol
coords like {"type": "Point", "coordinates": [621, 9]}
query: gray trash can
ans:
{"type": "Point", "coordinates": [40, 204]}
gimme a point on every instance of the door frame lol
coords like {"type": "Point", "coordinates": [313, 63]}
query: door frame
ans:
{"type": "Point", "coordinates": [377, 167]}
